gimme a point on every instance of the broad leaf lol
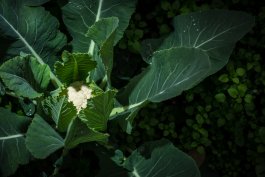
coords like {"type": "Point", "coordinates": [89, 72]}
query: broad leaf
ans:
{"type": "Point", "coordinates": [28, 106]}
{"type": "Point", "coordinates": [75, 67]}
{"type": "Point", "coordinates": [171, 72]}
{"type": "Point", "coordinates": [103, 34]}
{"type": "Point", "coordinates": [97, 112]}
{"type": "Point", "coordinates": [161, 158]}
{"type": "Point", "coordinates": [79, 15]}
{"type": "Point", "coordinates": [61, 111]}
{"type": "Point", "coordinates": [79, 133]}
{"type": "Point", "coordinates": [25, 76]}
{"type": "Point", "coordinates": [42, 139]}
{"type": "Point", "coordinates": [200, 45]}
{"type": "Point", "coordinates": [33, 29]}
{"type": "Point", "coordinates": [13, 149]}
{"type": "Point", "coordinates": [215, 32]}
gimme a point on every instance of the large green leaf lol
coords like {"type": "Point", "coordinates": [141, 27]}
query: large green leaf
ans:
{"type": "Point", "coordinates": [97, 112]}
{"type": "Point", "coordinates": [103, 33]}
{"type": "Point", "coordinates": [79, 133]}
{"type": "Point", "coordinates": [215, 32]}
{"type": "Point", "coordinates": [33, 29]}
{"type": "Point", "coordinates": [25, 76]}
{"type": "Point", "coordinates": [171, 72]}
{"type": "Point", "coordinates": [13, 149]}
{"type": "Point", "coordinates": [75, 67]}
{"type": "Point", "coordinates": [200, 45]}
{"type": "Point", "coordinates": [160, 158]}
{"type": "Point", "coordinates": [79, 15]}
{"type": "Point", "coordinates": [61, 111]}
{"type": "Point", "coordinates": [42, 139]}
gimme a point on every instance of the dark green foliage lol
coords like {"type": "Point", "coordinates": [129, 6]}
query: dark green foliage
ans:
{"type": "Point", "coordinates": [224, 114]}
{"type": "Point", "coordinates": [218, 119]}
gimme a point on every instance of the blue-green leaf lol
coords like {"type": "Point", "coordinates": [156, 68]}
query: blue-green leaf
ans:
{"type": "Point", "coordinates": [33, 29]}
{"type": "Point", "coordinates": [215, 32]}
{"type": "Point", "coordinates": [79, 15]}
{"type": "Point", "coordinates": [13, 149]}
{"type": "Point", "coordinates": [25, 76]}
{"type": "Point", "coordinates": [161, 158]}
{"type": "Point", "coordinates": [200, 46]}
{"type": "Point", "coordinates": [97, 112]}
{"type": "Point", "coordinates": [42, 139]}
{"type": "Point", "coordinates": [75, 67]}
{"type": "Point", "coordinates": [171, 72]}
{"type": "Point", "coordinates": [103, 33]}
{"type": "Point", "coordinates": [79, 132]}
{"type": "Point", "coordinates": [61, 111]}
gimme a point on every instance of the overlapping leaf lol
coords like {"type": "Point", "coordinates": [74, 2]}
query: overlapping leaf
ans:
{"type": "Point", "coordinates": [172, 71]}
{"type": "Point", "coordinates": [97, 112]}
{"type": "Point", "coordinates": [33, 29]}
{"type": "Point", "coordinates": [215, 32]}
{"type": "Point", "coordinates": [161, 158]}
{"type": "Point", "coordinates": [103, 34]}
{"type": "Point", "coordinates": [79, 133]}
{"type": "Point", "coordinates": [25, 76]}
{"type": "Point", "coordinates": [42, 139]}
{"type": "Point", "coordinates": [60, 110]}
{"type": "Point", "coordinates": [79, 15]}
{"type": "Point", "coordinates": [75, 67]}
{"type": "Point", "coordinates": [200, 45]}
{"type": "Point", "coordinates": [13, 149]}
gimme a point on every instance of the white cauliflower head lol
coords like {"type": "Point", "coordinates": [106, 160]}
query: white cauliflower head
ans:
{"type": "Point", "coordinates": [78, 94]}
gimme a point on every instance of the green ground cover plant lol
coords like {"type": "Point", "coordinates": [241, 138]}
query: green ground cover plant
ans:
{"type": "Point", "coordinates": [56, 83]}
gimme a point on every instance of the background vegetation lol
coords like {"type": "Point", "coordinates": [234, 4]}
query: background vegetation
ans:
{"type": "Point", "coordinates": [220, 122]}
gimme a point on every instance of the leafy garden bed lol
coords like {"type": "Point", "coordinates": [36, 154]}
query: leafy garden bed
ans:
{"type": "Point", "coordinates": [79, 98]}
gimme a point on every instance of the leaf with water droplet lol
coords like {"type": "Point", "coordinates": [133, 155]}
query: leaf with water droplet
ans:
{"type": "Point", "coordinates": [28, 106]}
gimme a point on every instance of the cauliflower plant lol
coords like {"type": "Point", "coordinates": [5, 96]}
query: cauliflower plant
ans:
{"type": "Point", "coordinates": [78, 94]}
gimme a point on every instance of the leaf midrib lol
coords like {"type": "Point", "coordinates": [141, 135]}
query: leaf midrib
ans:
{"type": "Point", "coordinates": [23, 40]}
{"type": "Point", "coordinates": [92, 43]}
{"type": "Point", "coordinates": [11, 136]}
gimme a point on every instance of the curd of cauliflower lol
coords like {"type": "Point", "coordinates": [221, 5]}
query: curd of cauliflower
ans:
{"type": "Point", "coordinates": [78, 94]}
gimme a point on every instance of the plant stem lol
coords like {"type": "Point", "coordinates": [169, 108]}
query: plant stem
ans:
{"type": "Point", "coordinates": [12, 94]}
{"type": "Point", "coordinates": [59, 162]}
{"type": "Point", "coordinates": [56, 82]}
{"type": "Point", "coordinates": [122, 109]}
